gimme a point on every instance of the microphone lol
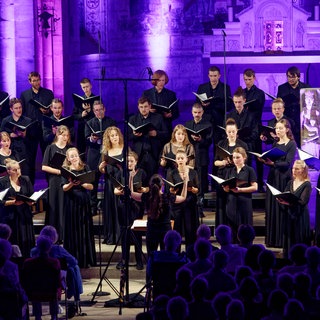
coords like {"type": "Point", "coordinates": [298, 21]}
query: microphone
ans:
{"type": "Point", "coordinates": [223, 32]}
{"type": "Point", "coordinates": [150, 73]}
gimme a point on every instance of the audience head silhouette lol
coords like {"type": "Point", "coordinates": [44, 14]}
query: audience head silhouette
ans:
{"type": "Point", "coordinates": [172, 240]}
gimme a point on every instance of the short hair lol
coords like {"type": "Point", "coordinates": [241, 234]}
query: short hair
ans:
{"type": "Point", "coordinates": [313, 256]}
{"type": "Point", "coordinates": [197, 105]}
{"type": "Point", "coordinates": [144, 99]}
{"type": "Point", "coordinates": [278, 100]}
{"type": "Point", "coordinates": [220, 259]}
{"type": "Point", "coordinates": [13, 101]}
{"type": "Point", "coordinates": [294, 71]}
{"type": "Point", "coordinates": [85, 80]}
{"type": "Point", "coordinates": [199, 287]}
{"type": "Point", "coordinates": [57, 100]}
{"type": "Point", "coordinates": [133, 155]}
{"type": "Point", "coordinates": [214, 69]}
{"type": "Point", "coordinates": [235, 310]}
{"type": "Point", "coordinates": [241, 273]}
{"type": "Point", "coordinates": [266, 259]}
{"type": "Point", "coordinates": [50, 232]}
{"type": "Point", "coordinates": [177, 308]}
{"type": "Point", "coordinates": [294, 309]}
{"type": "Point", "coordinates": [172, 240]}
{"type": "Point", "coordinates": [220, 303]}
{"type": "Point", "coordinates": [5, 231]}
{"type": "Point", "coordinates": [249, 72]}
{"type": "Point", "coordinates": [33, 74]}
{"type": "Point", "coordinates": [246, 233]}
{"type": "Point", "coordinates": [5, 248]}
{"type": "Point", "coordinates": [43, 244]}
{"type": "Point", "coordinates": [97, 103]}
{"type": "Point", "coordinates": [157, 74]}
{"type": "Point", "coordinates": [277, 300]}
{"type": "Point", "coordinates": [204, 231]}
{"type": "Point", "coordinates": [297, 253]}
{"type": "Point", "coordinates": [223, 234]}
{"type": "Point", "coordinates": [202, 248]}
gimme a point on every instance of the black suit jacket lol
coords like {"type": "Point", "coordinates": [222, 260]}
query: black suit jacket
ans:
{"type": "Point", "coordinates": [256, 107]}
{"type": "Point", "coordinates": [145, 142]}
{"type": "Point", "coordinates": [201, 148]}
{"type": "Point", "coordinates": [93, 153]}
{"type": "Point", "coordinates": [216, 109]}
{"type": "Point", "coordinates": [44, 96]}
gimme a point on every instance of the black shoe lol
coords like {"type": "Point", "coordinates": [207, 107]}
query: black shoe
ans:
{"type": "Point", "coordinates": [120, 265]}
{"type": "Point", "coordinates": [139, 266]}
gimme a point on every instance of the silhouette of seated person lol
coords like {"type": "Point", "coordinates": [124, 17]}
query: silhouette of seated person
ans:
{"type": "Point", "coordinates": [266, 277]}
{"type": "Point", "coordinates": [5, 233]}
{"type": "Point", "coordinates": [302, 292]}
{"type": "Point", "coordinates": [241, 273]}
{"type": "Point", "coordinates": [246, 235]}
{"type": "Point", "coordinates": [217, 277]}
{"type": "Point", "coordinates": [183, 281]}
{"type": "Point", "coordinates": [276, 302]}
{"type": "Point", "coordinates": [297, 259]}
{"type": "Point", "coordinates": [177, 309]}
{"type": "Point", "coordinates": [285, 283]}
{"type": "Point", "coordinates": [199, 306]}
{"type": "Point", "coordinates": [220, 304]}
{"type": "Point", "coordinates": [163, 264]}
{"type": "Point", "coordinates": [251, 257]}
{"type": "Point", "coordinates": [294, 310]}
{"type": "Point", "coordinates": [41, 279]}
{"type": "Point", "coordinates": [203, 232]}
{"type": "Point", "coordinates": [312, 268]}
{"type": "Point", "coordinates": [235, 310]}
{"type": "Point", "coordinates": [235, 253]}
{"type": "Point", "coordinates": [74, 280]}
{"type": "Point", "coordinates": [12, 297]}
{"type": "Point", "coordinates": [159, 307]}
{"type": "Point", "coordinates": [203, 263]}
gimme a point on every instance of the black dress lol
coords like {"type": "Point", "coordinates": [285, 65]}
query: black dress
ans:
{"type": "Point", "coordinates": [19, 218]}
{"type": "Point", "coordinates": [78, 232]}
{"type": "Point", "coordinates": [296, 218]}
{"type": "Point", "coordinates": [55, 194]}
{"type": "Point", "coordinates": [222, 172]}
{"type": "Point", "coordinates": [111, 229]}
{"type": "Point", "coordinates": [279, 176]}
{"type": "Point", "coordinates": [185, 214]}
{"type": "Point", "coordinates": [239, 205]}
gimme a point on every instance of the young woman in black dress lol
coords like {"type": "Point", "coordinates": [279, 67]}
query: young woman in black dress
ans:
{"type": "Point", "coordinates": [158, 208]}
{"type": "Point", "coordinates": [296, 220]}
{"type": "Point", "coordinates": [134, 210]}
{"type": "Point", "coordinates": [278, 177]}
{"type": "Point", "coordinates": [54, 210]}
{"type": "Point", "coordinates": [239, 200]}
{"type": "Point", "coordinates": [78, 232]}
{"type": "Point", "coordinates": [225, 164]}
{"type": "Point", "coordinates": [110, 165]}
{"type": "Point", "coordinates": [17, 214]}
{"type": "Point", "coordinates": [185, 215]}
{"type": "Point", "coordinates": [5, 151]}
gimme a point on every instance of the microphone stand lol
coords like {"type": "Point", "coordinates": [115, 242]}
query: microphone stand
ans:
{"type": "Point", "coordinates": [124, 277]}
{"type": "Point", "coordinates": [225, 75]}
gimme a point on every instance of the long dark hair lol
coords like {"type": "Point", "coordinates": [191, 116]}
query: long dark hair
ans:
{"type": "Point", "coordinates": [155, 199]}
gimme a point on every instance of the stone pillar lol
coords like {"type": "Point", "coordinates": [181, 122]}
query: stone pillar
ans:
{"type": "Point", "coordinates": [230, 14]}
{"type": "Point", "coordinates": [316, 13]}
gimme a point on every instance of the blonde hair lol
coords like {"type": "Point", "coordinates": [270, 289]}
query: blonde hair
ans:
{"type": "Point", "coordinates": [67, 163]}
{"type": "Point", "coordinates": [242, 151]}
{"type": "Point", "coordinates": [5, 134]}
{"type": "Point", "coordinates": [305, 173]}
{"type": "Point", "coordinates": [106, 142]}
{"type": "Point", "coordinates": [60, 130]}
{"type": "Point", "coordinates": [11, 162]}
